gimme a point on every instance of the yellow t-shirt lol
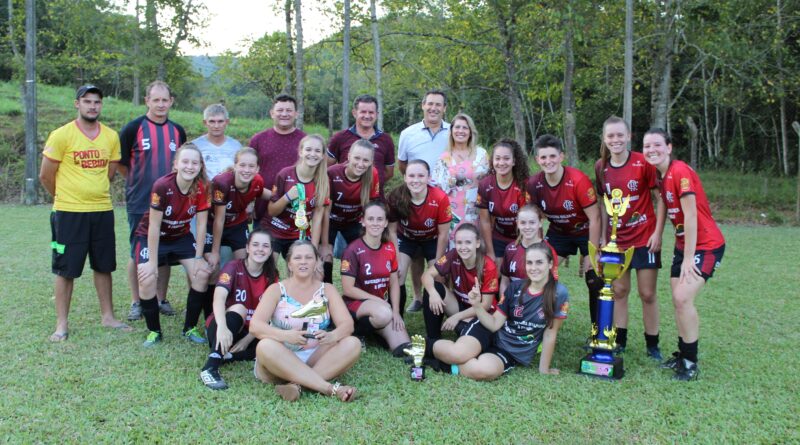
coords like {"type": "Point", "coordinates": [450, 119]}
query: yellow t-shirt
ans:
{"type": "Point", "coordinates": [82, 183]}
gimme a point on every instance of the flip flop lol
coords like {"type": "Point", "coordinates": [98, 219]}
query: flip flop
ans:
{"type": "Point", "coordinates": [58, 337]}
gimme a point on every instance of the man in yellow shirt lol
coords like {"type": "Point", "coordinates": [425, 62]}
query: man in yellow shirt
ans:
{"type": "Point", "coordinates": [79, 161]}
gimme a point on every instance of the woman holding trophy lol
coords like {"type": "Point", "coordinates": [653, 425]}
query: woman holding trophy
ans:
{"type": "Point", "coordinates": [699, 245]}
{"type": "Point", "coordinates": [296, 350]}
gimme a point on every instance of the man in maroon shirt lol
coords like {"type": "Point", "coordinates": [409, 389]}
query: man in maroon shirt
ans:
{"type": "Point", "coordinates": [276, 146]}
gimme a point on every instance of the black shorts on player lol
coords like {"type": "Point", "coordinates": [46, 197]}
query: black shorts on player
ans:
{"type": "Point", "coordinates": [508, 361]}
{"type": "Point", "coordinates": [499, 247]}
{"type": "Point", "coordinates": [644, 259]}
{"type": "Point", "coordinates": [281, 246]}
{"type": "Point", "coordinates": [566, 245]}
{"type": "Point", "coordinates": [705, 260]}
{"type": "Point", "coordinates": [170, 253]}
{"type": "Point", "coordinates": [475, 329]}
{"type": "Point", "coordinates": [412, 247]}
{"type": "Point", "coordinates": [78, 234]}
{"type": "Point", "coordinates": [350, 233]}
{"type": "Point", "coordinates": [234, 237]}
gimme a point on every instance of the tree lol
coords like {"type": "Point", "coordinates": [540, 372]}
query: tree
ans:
{"type": "Point", "coordinates": [299, 82]}
{"type": "Point", "coordinates": [287, 83]}
{"type": "Point", "coordinates": [627, 105]}
{"type": "Point", "coordinates": [31, 179]}
{"type": "Point", "coordinates": [376, 44]}
{"type": "Point", "coordinates": [567, 96]}
{"type": "Point", "coordinates": [346, 67]}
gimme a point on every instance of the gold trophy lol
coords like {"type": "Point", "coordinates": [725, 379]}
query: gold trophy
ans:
{"type": "Point", "coordinates": [314, 310]}
{"type": "Point", "coordinates": [612, 263]}
{"type": "Point", "coordinates": [417, 352]}
{"type": "Point", "coordinates": [300, 215]}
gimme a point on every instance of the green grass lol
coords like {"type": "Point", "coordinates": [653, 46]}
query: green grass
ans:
{"type": "Point", "coordinates": [103, 387]}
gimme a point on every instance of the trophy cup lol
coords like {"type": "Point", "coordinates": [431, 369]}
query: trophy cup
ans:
{"type": "Point", "coordinates": [300, 215]}
{"type": "Point", "coordinates": [417, 351]}
{"type": "Point", "coordinates": [612, 264]}
{"type": "Point", "coordinates": [314, 310]}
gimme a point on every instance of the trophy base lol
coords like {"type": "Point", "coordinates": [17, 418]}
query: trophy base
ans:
{"type": "Point", "coordinates": [609, 371]}
{"type": "Point", "coordinates": [418, 373]}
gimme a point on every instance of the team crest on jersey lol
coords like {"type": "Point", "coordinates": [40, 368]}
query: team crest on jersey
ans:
{"type": "Point", "coordinates": [685, 184]}
{"type": "Point", "coordinates": [225, 278]}
{"type": "Point", "coordinates": [345, 266]}
{"type": "Point", "coordinates": [155, 199]}
{"type": "Point", "coordinates": [518, 311]}
{"type": "Point", "coordinates": [514, 208]}
{"type": "Point", "coordinates": [442, 260]}
{"type": "Point", "coordinates": [430, 222]}
{"type": "Point", "coordinates": [218, 195]}
{"type": "Point", "coordinates": [172, 146]}
{"type": "Point", "coordinates": [633, 185]}
{"type": "Point", "coordinates": [569, 205]}
{"type": "Point", "coordinates": [388, 266]}
{"type": "Point", "coordinates": [670, 197]}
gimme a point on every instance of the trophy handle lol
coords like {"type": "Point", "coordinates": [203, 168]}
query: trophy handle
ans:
{"type": "Point", "coordinates": [628, 258]}
{"type": "Point", "coordinates": [593, 258]}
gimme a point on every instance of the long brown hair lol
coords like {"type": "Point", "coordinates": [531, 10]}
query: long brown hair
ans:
{"type": "Point", "coordinates": [480, 253]}
{"type": "Point", "coordinates": [605, 153]}
{"type": "Point", "coordinates": [521, 171]}
{"type": "Point", "coordinates": [549, 291]}
{"type": "Point", "coordinates": [202, 176]}
{"type": "Point", "coordinates": [366, 177]}
{"type": "Point", "coordinates": [382, 206]}
{"type": "Point", "coordinates": [269, 269]}
{"type": "Point", "coordinates": [400, 196]}
{"type": "Point", "coordinates": [321, 174]}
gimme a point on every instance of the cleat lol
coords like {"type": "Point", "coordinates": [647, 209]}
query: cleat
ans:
{"type": "Point", "coordinates": [672, 363]}
{"type": "Point", "coordinates": [152, 338]}
{"type": "Point", "coordinates": [165, 308]}
{"type": "Point", "coordinates": [654, 353]}
{"type": "Point", "coordinates": [314, 308]}
{"type": "Point", "coordinates": [415, 306]}
{"type": "Point", "coordinates": [687, 370]}
{"type": "Point", "coordinates": [135, 313]}
{"type": "Point", "coordinates": [212, 379]}
{"type": "Point", "coordinates": [193, 335]}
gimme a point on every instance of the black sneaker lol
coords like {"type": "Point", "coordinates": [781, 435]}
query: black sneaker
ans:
{"type": "Point", "coordinates": [672, 363]}
{"type": "Point", "coordinates": [687, 370]}
{"type": "Point", "coordinates": [654, 353]}
{"type": "Point", "coordinates": [212, 379]}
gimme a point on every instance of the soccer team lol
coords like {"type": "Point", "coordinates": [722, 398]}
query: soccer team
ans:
{"type": "Point", "coordinates": [467, 223]}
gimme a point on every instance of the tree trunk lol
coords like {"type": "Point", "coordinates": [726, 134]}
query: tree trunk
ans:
{"type": "Point", "coordinates": [331, 116]}
{"type": "Point", "coordinates": [796, 126]}
{"type": "Point", "coordinates": [376, 44]}
{"type": "Point", "coordinates": [287, 83]}
{"type": "Point", "coordinates": [31, 178]}
{"type": "Point", "coordinates": [661, 83]}
{"type": "Point", "coordinates": [692, 142]}
{"type": "Point", "coordinates": [507, 27]}
{"type": "Point", "coordinates": [11, 38]}
{"type": "Point", "coordinates": [627, 102]}
{"type": "Point", "coordinates": [299, 64]}
{"type": "Point", "coordinates": [568, 97]}
{"type": "Point", "coordinates": [346, 67]}
{"type": "Point", "coordinates": [781, 90]}
{"type": "Point", "coordinates": [137, 87]}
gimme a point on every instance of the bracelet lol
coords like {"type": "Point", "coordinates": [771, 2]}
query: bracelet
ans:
{"type": "Point", "coordinates": [286, 195]}
{"type": "Point", "coordinates": [198, 258]}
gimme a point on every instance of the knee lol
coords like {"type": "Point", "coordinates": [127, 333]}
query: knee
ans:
{"type": "Point", "coordinates": [648, 296]}
{"type": "Point", "coordinates": [382, 316]}
{"type": "Point", "coordinates": [621, 291]}
{"type": "Point", "coordinates": [350, 346]}
{"type": "Point", "coordinates": [268, 350]}
{"type": "Point", "coordinates": [477, 372]}
{"type": "Point", "coordinates": [682, 302]}
{"type": "Point", "coordinates": [200, 279]}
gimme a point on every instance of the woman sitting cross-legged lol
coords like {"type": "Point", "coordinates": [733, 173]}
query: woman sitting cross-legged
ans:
{"type": "Point", "coordinates": [295, 350]}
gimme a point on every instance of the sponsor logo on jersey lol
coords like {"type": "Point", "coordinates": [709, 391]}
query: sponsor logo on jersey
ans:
{"type": "Point", "coordinates": [492, 285]}
{"type": "Point", "coordinates": [218, 195]}
{"type": "Point", "coordinates": [449, 212]}
{"type": "Point", "coordinates": [225, 278]}
{"type": "Point", "coordinates": [591, 194]}
{"type": "Point", "coordinates": [564, 308]}
{"type": "Point", "coordinates": [154, 199]}
{"type": "Point", "coordinates": [685, 184]}
{"type": "Point", "coordinates": [442, 260]}
{"type": "Point", "coordinates": [345, 266]}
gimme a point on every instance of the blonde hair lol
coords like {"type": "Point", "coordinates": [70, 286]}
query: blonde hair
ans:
{"type": "Point", "coordinates": [321, 185]}
{"type": "Point", "coordinates": [472, 143]}
{"type": "Point", "coordinates": [202, 176]}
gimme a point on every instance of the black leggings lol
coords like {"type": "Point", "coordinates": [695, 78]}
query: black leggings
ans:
{"type": "Point", "coordinates": [235, 324]}
{"type": "Point", "coordinates": [433, 322]}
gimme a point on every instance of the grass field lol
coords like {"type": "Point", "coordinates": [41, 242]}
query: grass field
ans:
{"type": "Point", "coordinates": [103, 387]}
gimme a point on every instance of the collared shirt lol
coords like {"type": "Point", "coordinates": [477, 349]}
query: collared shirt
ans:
{"type": "Point", "coordinates": [340, 143]}
{"type": "Point", "coordinates": [418, 142]}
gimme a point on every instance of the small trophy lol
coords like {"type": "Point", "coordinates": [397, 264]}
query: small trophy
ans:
{"type": "Point", "coordinates": [313, 310]}
{"type": "Point", "coordinates": [417, 351]}
{"type": "Point", "coordinates": [612, 264]}
{"type": "Point", "coordinates": [300, 215]}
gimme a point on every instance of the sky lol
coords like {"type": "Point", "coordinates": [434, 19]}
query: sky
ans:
{"type": "Point", "coordinates": [232, 21]}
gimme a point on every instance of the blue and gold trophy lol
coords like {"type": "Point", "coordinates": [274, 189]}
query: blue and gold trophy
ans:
{"type": "Point", "coordinates": [611, 265]}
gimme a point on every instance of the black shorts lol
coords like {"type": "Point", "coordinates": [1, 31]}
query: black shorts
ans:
{"type": "Point", "coordinates": [74, 235]}
{"type": "Point", "coordinates": [567, 245]}
{"type": "Point", "coordinates": [281, 246]}
{"type": "Point", "coordinates": [412, 247]}
{"type": "Point", "coordinates": [133, 223]}
{"type": "Point", "coordinates": [508, 361]}
{"type": "Point", "coordinates": [475, 329]}
{"type": "Point", "coordinates": [170, 252]}
{"type": "Point", "coordinates": [499, 246]}
{"type": "Point", "coordinates": [644, 259]}
{"type": "Point", "coordinates": [705, 260]}
{"type": "Point", "coordinates": [234, 237]}
{"type": "Point", "coordinates": [349, 232]}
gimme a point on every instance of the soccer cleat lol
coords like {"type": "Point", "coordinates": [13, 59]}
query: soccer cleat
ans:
{"type": "Point", "coordinates": [165, 308]}
{"type": "Point", "coordinates": [193, 335]}
{"type": "Point", "coordinates": [212, 379]}
{"type": "Point", "coordinates": [654, 353]}
{"type": "Point", "coordinates": [415, 306]}
{"type": "Point", "coordinates": [672, 363]}
{"type": "Point", "coordinates": [136, 311]}
{"type": "Point", "coordinates": [152, 338]}
{"type": "Point", "coordinates": [687, 370]}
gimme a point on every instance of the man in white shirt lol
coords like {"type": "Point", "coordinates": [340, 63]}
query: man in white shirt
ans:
{"type": "Point", "coordinates": [218, 150]}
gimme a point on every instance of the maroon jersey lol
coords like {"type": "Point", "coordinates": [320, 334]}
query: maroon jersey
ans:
{"type": "Point", "coordinates": [282, 226]}
{"type": "Point", "coordinates": [514, 262]}
{"type": "Point", "coordinates": [339, 148]}
{"type": "Point", "coordinates": [681, 180]}
{"type": "Point", "coordinates": [635, 178]}
{"type": "Point", "coordinates": [423, 222]}
{"type": "Point", "coordinates": [178, 209]}
{"type": "Point", "coordinates": [346, 205]}
{"type": "Point", "coordinates": [226, 194]}
{"type": "Point", "coordinates": [242, 287]}
{"type": "Point", "coordinates": [371, 268]}
{"type": "Point", "coordinates": [503, 206]}
{"type": "Point", "coordinates": [451, 266]}
{"type": "Point", "coordinates": [563, 203]}
{"type": "Point", "coordinates": [275, 152]}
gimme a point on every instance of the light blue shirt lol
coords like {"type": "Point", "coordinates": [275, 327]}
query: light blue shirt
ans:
{"type": "Point", "coordinates": [217, 157]}
{"type": "Point", "coordinates": [417, 142]}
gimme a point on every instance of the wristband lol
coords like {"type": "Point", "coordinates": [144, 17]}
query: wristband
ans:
{"type": "Point", "coordinates": [286, 195]}
{"type": "Point", "coordinates": [198, 258]}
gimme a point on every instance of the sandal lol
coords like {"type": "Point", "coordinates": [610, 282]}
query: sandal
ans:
{"type": "Point", "coordinates": [59, 337]}
{"type": "Point", "coordinates": [289, 392]}
{"type": "Point", "coordinates": [343, 392]}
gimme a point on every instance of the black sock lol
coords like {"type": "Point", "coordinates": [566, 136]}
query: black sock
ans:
{"type": "Point", "coordinates": [689, 351]}
{"type": "Point", "coordinates": [436, 364]}
{"type": "Point", "coordinates": [363, 327]}
{"type": "Point", "coordinates": [595, 285]}
{"type": "Point", "coordinates": [194, 305]}
{"type": "Point", "coordinates": [208, 306]}
{"type": "Point", "coordinates": [398, 351]}
{"type": "Point", "coordinates": [433, 322]}
{"type": "Point", "coordinates": [622, 337]}
{"type": "Point", "coordinates": [150, 313]}
{"type": "Point", "coordinates": [429, 347]}
{"type": "Point", "coordinates": [651, 340]}
{"type": "Point", "coordinates": [402, 301]}
{"type": "Point", "coordinates": [213, 361]}
{"type": "Point", "coordinates": [680, 346]}
{"type": "Point", "coordinates": [327, 272]}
